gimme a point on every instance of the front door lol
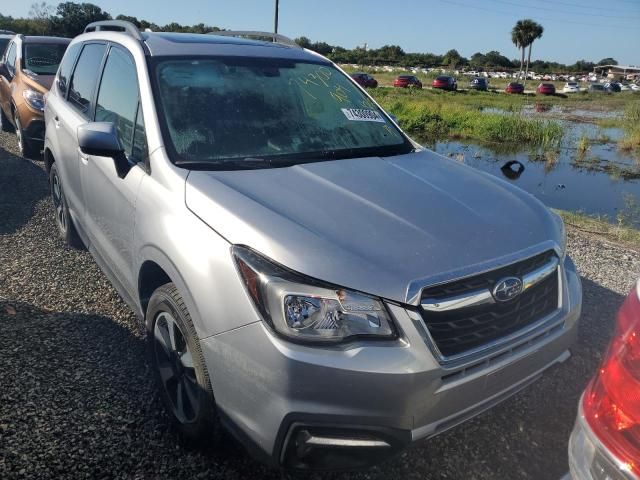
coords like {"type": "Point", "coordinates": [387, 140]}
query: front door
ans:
{"type": "Point", "coordinates": [111, 200]}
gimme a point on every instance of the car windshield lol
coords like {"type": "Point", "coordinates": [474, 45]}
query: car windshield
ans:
{"type": "Point", "coordinates": [442, 78]}
{"type": "Point", "coordinates": [43, 58]}
{"type": "Point", "coordinates": [240, 112]}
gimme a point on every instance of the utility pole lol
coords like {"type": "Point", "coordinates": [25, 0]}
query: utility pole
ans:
{"type": "Point", "coordinates": [275, 20]}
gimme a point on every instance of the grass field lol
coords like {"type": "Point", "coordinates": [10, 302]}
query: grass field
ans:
{"type": "Point", "coordinates": [493, 117]}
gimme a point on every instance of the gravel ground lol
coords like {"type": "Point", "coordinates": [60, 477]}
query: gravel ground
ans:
{"type": "Point", "coordinates": [76, 399]}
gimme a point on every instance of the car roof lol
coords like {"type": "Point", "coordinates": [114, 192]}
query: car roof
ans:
{"type": "Point", "coordinates": [39, 39]}
{"type": "Point", "coordinates": [193, 44]}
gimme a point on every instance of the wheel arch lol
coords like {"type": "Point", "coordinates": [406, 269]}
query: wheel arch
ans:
{"type": "Point", "coordinates": [157, 269]}
{"type": "Point", "coordinates": [49, 159]}
{"type": "Point", "coordinates": [150, 277]}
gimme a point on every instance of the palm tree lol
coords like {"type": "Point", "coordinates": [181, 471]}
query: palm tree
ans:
{"type": "Point", "coordinates": [518, 39]}
{"type": "Point", "coordinates": [523, 34]}
{"type": "Point", "coordinates": [534, 32]}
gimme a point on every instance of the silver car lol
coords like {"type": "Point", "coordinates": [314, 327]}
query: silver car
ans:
{"type": "Point", "coordinates": [310, 277]}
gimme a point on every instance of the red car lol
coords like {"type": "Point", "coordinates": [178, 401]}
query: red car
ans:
{"type": "Point", "coordinates": [445, 82]}
{"type": "Point", "coordinates": [407, 81]}
{"type": "Point", "coordinates": [514, 87]}
{"type": "Point", "coordinates": [546, 89]}
{"type": "Point", "coordinates": [364, 80]}
{"type": "Point", "coordinates": [606, 436]}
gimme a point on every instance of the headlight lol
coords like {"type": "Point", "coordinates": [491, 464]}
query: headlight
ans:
{"type": "Point", "coordinates": [308, 310]}
{"type": "Point", "coordinates": [34, 99]}
{"type": "Point", "coordinates": [563, 233]}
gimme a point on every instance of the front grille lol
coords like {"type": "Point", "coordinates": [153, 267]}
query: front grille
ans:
{"type": "Point", "coordinates": [457, 331]}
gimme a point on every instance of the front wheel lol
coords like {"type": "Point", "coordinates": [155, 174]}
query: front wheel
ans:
{"type": "Point", "coordinates": [179, 366]}
{"type": "Point", "coordinates": [27, 149]}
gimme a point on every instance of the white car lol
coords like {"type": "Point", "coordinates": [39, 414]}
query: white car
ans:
{"type": "Point", "coordinates": [625, 87]}
{"type": "Point", "coordinates": [571, 87]}
{"type": "Point", "coordinates": [634, 87]}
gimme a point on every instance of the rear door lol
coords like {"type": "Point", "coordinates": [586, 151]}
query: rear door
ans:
{"type": "Point", "coordinates": [75, 110]}
{"type": "Point", "coordinates": [110, 200]}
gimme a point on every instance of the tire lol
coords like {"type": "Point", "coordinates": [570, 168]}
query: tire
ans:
{"type": "Point", "coordinates": [66, 228]}
{"type": "Point", "coordinates": [5, 124]}
{"type": "Point", "coordinates": [27, 150]}
{"type": "Point", "coordinates": [179, 367]}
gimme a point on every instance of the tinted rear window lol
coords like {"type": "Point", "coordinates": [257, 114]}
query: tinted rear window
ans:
{"type": "Point", "coordinates": [85, 76]}
{"type": "Point", "coordinates": [66, 66]}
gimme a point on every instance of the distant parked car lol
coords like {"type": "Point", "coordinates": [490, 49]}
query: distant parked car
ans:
{"type": "Point", "coordinates": [597, 88]}
{"type": "Point", "coordinates": [604, 443]}
{"type": "Point", "coordinates": [613, 87]}
{"type": "Point", "coordinates": [546, 89]}
{"type": "Point", "coordinates": [571, 87]}
{"type": "Point", "coordinates": [407, 81]}
{"type": "Point", "coordinates": [364, 80]}
{"type": "Point", "coordinates": [634, 87]}
{"type": "Point", "coordinates": [28, 68]}
{"type": "Point", "coordinates": [445, 82]}
{"type": "Point", "coordinates": [624, 87]}
{"type": "Point", "coordinates": [514, 87]}
{"type": "Point", "coordinates": [5, 38]}
{"type": "Point", "coordinates": [479, 84]}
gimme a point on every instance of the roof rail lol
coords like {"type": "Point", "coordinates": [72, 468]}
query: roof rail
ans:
{"type": "Point", "coordinates": [273, 37]}
{"type": "Point", "coordinates": [115, 26]}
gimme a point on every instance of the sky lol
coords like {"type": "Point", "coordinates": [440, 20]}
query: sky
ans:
{"type": "Point", "coordinates": [573, 29]}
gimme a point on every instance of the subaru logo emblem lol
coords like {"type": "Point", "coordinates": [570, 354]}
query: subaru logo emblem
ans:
{"type": "Point", "coordinates": [507, 289]}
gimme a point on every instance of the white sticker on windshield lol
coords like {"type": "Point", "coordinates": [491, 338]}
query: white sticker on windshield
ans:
{"type": "Point", "coordinates": [362, 115]}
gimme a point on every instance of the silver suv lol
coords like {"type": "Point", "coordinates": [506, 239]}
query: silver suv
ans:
{"type": "Point", "coordinates": [309, 277]}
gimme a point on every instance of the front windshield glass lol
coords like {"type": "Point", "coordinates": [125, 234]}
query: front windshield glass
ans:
{"type": "Point", "coordinates": [43, 58]}
{"type": "Point", "coordinates": [224, 109]}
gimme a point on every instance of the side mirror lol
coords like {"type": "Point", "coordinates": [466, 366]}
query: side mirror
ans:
{"type": "Point", "coordinates": [100, 139]}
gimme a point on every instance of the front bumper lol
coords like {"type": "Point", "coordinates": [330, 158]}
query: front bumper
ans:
{"type": "Point", "coordinates": [32, 123]}
{"type": "Point", "coordinates": [311, 407]}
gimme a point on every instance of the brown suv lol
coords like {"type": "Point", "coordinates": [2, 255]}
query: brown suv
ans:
{"type": "Point", "coordinates": [27, 70]}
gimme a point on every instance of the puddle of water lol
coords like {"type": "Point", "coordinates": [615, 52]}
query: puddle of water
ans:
{"type": "Point", "coordinates": [600, 181]}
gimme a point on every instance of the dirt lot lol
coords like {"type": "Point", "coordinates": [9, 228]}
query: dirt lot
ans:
{"type": "Point", "coordinates": [77, 400]}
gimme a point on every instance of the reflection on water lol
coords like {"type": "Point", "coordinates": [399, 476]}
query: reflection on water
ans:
{"type": "Point", "coordinates": [598, 179]}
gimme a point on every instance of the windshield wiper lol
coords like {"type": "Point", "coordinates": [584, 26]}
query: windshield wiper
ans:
{"type": "Point", "coordinates": [227, 164]}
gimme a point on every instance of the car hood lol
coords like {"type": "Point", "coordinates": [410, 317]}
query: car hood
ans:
{"type": "Point", "coordinates": [378, 225]}
{"type": "Point", "coordinates": [42, 83]}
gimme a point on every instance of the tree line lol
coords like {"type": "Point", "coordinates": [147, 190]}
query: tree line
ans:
{"type": "Point", "coordinates": [69, 19]}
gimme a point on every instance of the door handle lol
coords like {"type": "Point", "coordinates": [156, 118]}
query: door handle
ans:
{"type": "Point", "coordinates": [56, 121]}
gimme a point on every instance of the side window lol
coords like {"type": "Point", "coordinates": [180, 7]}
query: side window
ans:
{"type": "Point", "coordinates": [118, 97]}
{"type": "Point", "coordinates": [140, 150]}
{"type": "Point", "coordinates": [85, 76]}
{"type": "Point", "coordinates": [64, 73]}
{"type": "Point", "coordinates": [11, 59]}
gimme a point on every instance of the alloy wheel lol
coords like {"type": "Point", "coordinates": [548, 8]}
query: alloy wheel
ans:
{"type": "Point", "coordinates": [175, 367]}
{"type": "Point", "coordinates": [16, 120]}
{"type": "Point", "coordinates": [58, 202]}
